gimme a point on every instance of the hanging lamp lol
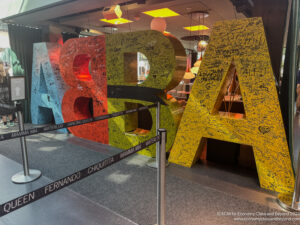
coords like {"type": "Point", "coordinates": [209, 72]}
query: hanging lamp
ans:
{"type": "Point", "coordinates": [201, 46]}
{"type": "Point", "coordinates": [188, 74]}
{"type": "Point", "coordinates": [196, 67]}
{"type": "Point", "coordinates": [158, 24]}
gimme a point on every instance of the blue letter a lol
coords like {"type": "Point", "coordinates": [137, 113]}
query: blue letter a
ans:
{"type": "Point", "coordinates": [48, 87]}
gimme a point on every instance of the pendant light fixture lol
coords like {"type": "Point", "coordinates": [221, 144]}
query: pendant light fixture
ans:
{"type": "Point", "coordinates": [188, 74]}
{"type": "Point", "coordinates": [201, 46]}
{"type": "Point", "coordinates": [196, 67]}
{"type": "Point", "coordinates": [158, 24]}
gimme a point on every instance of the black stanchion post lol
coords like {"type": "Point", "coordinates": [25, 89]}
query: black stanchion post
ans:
{"type": "Point", "coordinates": [291, 202]}
{"type": "Point", "coordinates": [161, 177]}
{"type": "Point", "coordinates": [153, 162]}
{"type": "Point", "coordinates": [296, 196]}
{"type": "Point", "coordinates": [27, 175]}
{"type": "Point", "coordinates": [157, 126]}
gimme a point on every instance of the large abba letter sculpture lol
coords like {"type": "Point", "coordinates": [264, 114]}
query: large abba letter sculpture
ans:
{"type": "Point", "coordinates": [166, 57]}
{"type": "Point", "coordinates": [48, 87]}
{"type": "Point", "coordinates": [242, 41]}
{"type": "Point", "coordinates": [83, 67]}
{"type": "Point", "coordinates": [102, 74]}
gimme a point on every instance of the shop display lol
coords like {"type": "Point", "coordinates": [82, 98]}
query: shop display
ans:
{"type": "Point", "coordinates": [239, 43]}
{"type": "Point", "coordinates": [201, 94]}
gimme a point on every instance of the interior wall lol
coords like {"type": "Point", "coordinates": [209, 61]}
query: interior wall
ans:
{"type": "Point", "coordinates": [274, 14]}
{"type": "Point", "coordinates": [53, 32]}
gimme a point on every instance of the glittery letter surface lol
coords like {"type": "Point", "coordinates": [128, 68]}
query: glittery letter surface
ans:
{"type": "Point", "coordinates": [48, 87]}
{"type": "Point", "coordinates": [166, 57]}
{"type": "Point", "coordinates": [82, 65]}
{"type": "Point", "coordinates": [242, 41]}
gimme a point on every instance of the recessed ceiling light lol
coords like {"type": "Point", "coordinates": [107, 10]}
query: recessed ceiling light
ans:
{"type": "Point", "coordinates": [117, 21]}
{"type": "Point", "coordinates": [196, 28]}
{"type": "Point", "coordinates": [164, 12]}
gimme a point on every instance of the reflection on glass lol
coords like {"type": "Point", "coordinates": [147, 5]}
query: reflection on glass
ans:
{"type": "Point", "coordinates": [143, 67]}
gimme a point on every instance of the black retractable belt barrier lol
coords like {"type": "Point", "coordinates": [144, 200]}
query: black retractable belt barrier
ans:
{"type": "Point", "coordinates": [39, 193]}
{"type": "Point", "coordinates": [38, 130]}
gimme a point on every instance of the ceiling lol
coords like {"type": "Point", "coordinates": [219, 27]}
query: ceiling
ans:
{"type": "Point", "coordinates": [86, 14]}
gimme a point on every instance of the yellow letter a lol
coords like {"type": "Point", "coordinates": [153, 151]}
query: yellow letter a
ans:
{"type": "Point", "coordinates": [244, 42]}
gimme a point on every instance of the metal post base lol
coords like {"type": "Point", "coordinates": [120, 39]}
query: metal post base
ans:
{"type": "Point", "coordinates": [153, 164]}
{"type": "Point", "coordinates": [285, 202]}
{"type": "Point", "coordinates": [20, 178]}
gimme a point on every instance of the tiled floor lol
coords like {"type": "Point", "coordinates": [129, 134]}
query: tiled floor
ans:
{"type": "Point", "coordinates": [57, 208]}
